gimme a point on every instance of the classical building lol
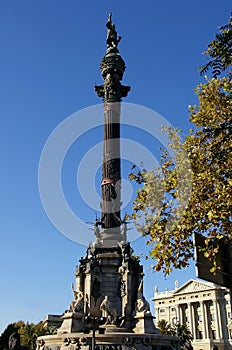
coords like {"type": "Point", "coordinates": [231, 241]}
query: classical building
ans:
{"type": "Point", "coordinates": [204, 307]}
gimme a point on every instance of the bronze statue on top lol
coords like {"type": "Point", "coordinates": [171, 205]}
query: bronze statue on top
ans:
{"type": "Point", "coordinates": [112, 39]}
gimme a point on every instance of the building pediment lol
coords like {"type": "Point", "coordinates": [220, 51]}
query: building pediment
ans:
{"type": "Point", "coordinates": [194, 286]}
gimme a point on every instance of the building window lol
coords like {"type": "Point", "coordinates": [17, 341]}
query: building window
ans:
{"type": "Point", "coordinates": [212, 317]}
{"type": "Point", "coordinates": [173, 309]}
{"type": "Point", "coordinates": [162, 311]}
{"type": "Point", "coordinates": [199, 318]}
{"type": "Point", "coordinates": [229, 315]}
{"type": "Point", "coordinates": [213, 334]}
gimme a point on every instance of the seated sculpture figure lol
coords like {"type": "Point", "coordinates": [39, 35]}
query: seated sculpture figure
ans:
{"type": "Point", "coordinates": [142, 305]}
{"type": "Point", "coordinates": [77, 305]}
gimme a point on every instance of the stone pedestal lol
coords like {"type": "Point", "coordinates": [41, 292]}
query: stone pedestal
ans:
{"type": "Point", "coordinates": [108, 341]}
{"type": "Point", "coordinates": [72, 322]}
{"type": "Point", "coordinates": [144, 324]}
{"type": "Point", "coordinates": [110, 282]}
{"type": "Point", "coordinates": [107, 329]}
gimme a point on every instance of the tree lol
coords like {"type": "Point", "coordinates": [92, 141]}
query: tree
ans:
{"type": "Point", "coordinates": [184, 334]}
{"type": "Point", "coordinates": [164, 327]}
{"type": "Point", "coordinates": [165, 209]}
{"type": "Point", "coordinates": [28, 334]}
{"type": "Point", "coordinates": [42, 330]}
{"type": "Point", "coordinates": [30, 331]}
{"type": "Point", "coordinates": [4, 338]}
{"type": "Point", "coordinates": [179, 330]}
{"type": "Point", "coordinates": [219, 52]}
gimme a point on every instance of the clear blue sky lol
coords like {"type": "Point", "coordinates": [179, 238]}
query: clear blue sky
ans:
{"type": "Point", "coordinates": [49, 62]}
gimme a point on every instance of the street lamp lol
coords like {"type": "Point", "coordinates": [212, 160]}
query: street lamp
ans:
{"type": "Point", "coordinates": [95, 322]}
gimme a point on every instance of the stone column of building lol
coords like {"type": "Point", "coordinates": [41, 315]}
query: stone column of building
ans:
{"type": "Point", "coordinates": [205, 305]}
{"type": "Point", "coordinates": [178, 312]}
{"type": "Point", "coordinates": [204, 321]}
{"type": "Point", "coordinates": [181, 313]}
{"type": "Point", "coordinates": [222, 308]}
{"type": "Point", "coordinates": [217, 319]}
{"type": "Point", "coordinates": [191, 320]}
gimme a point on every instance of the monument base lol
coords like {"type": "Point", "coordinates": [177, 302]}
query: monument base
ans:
{"type": "Point", "coordinates": [108, 341]}
{"type": "Point", "coordinates": [72, 322]}
{"type": "Point", "coordinates": [144, 324]}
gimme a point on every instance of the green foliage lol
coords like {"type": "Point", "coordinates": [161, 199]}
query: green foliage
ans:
{"type": "Point", "coordinates": [161, 202]}
{"type": "Point", "coordinates": [165, 328]}
{"type": "Point", "coordinates": [219, 52]}
{"type": "Point", "coordinates": [28, 333]}
{"type": "Point", "coordinates": [191, 191]}
{"type": "Point", "coordinates": [184, 334]}
{"type": "Point", "coordinates": [4, 338]}
{"type": "Point", "coordinates": [179, 330]}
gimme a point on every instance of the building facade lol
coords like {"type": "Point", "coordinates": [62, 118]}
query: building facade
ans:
{"type": "Point", "coordinates": [204, 307]}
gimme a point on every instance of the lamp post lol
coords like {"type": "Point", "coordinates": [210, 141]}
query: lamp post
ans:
{"type": "Point", "coordinates": [94, 328]}
{"type": "Point", "coordinates": [95, 322]}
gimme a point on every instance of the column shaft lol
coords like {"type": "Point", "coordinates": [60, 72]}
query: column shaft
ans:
{"type": "Point", "coordinates": [111, 168]}
{"type": "Point", "coordinates": [204, 325]}
{"type": "Point", "coordinates": [217, 320]}
{"type": "Point", "coordinates": [191, 320]}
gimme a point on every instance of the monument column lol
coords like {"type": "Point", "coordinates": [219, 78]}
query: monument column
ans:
{"type": "Point", "coordinates": [112, 68]}
{"type": "Point", "coordinates": [109, 310]}
{"type": "Point", "coordinates": [111, 167]}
